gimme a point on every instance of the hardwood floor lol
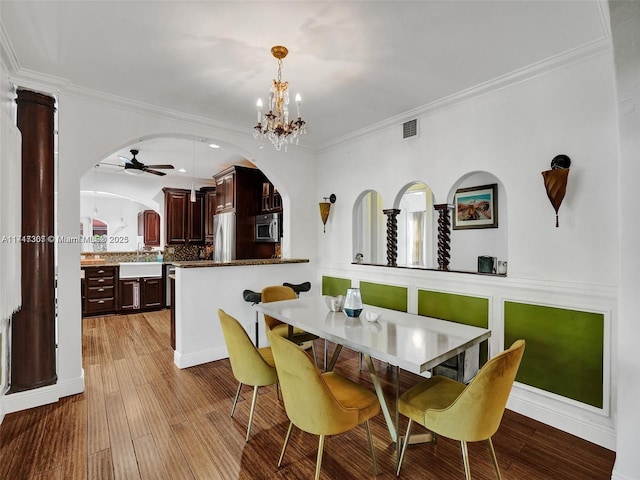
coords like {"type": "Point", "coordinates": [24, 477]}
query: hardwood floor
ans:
{"type": "Point", "coordinates": [143, 418]}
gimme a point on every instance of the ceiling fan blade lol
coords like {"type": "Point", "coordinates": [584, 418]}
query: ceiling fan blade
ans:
{"type": "Point", "coordinates": [164, 166]}
{"type": "Point", "coordinates": [155, 172]}
{"type": "Point", "coordinates": [112, 164]}
{"type": "Point", "coordinates": [124, 159]}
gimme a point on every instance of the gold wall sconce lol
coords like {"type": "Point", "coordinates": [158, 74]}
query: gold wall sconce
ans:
{"type": "Point", "coordinates": [555, 181]}
{"type": "Point", "coordinates": [325, 208]}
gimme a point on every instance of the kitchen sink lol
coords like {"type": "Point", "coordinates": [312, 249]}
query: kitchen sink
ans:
{"type": "Point", "coordinates": [140, 269]}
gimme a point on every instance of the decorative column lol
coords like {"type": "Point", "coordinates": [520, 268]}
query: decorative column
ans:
{"type": "Point", "coordinates": [392, 236]}
{"type": "Point", "coordinates": [33, 341]}
{"type": "Point", "coordinates": [444, 239]}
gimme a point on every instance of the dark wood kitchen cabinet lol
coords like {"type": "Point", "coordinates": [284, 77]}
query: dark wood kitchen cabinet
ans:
{"type": "Point", "coordinates": [226, 190]}
{"type": "Point", "coordinates": [184, 219]}
{"type": "Point", "coordinates": [149, 227]}
{"type": "Point", "coordinates": [239, 190]}
{"type": "Point", "coordinates": [271, 199]}
{"type": "Point", "coordinates": [100, 290]}
{"type": "Point", "coordinates": [144, 293]}
{"type": "Point", "coordinates": [210, 205]}
{"type": "Point", "coordinates": [152, 293]}
{"type": "Point", "coordinates": [129, 295]}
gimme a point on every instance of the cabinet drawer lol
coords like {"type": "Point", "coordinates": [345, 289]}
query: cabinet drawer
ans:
{"type": "Point", "coordinates": [101, 292]}
{"type": "Point", "coordinates": [99, 272]}
{"type": "Point", "coordinates": [100, 282]}
{"type": "Point", "coordinates": [100, 305]}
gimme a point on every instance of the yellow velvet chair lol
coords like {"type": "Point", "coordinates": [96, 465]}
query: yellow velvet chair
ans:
{"type": "Point", "coordinates": [320, 403]}
{"type": "Point", "coordinates": [466, 413]}
{"type": "Point", "coordinates": [276, 293]}
{"type": "Point", "coordinates": [250, 365]}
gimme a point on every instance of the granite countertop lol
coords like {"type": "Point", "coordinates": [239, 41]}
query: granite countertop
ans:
{"type": "Point", "coordinates": [237, 263]}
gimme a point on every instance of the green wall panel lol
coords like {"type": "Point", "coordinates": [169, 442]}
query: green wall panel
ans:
{"type": "Point", "coordinates": [564, 352]}
{"type": "Point", "coordinates": [457, 308]}
{"type": "Point", "coordinates": [335, 286]}
{"type": "Point", "coordinates": [385, 296]}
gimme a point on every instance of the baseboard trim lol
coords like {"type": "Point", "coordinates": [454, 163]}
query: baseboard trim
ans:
{"type": "Point", "coordinates": [198, 358]}
{"type": "Point", "coordinates": [16, 402]}
{"type": "Point", "coordinates": [577, 424]}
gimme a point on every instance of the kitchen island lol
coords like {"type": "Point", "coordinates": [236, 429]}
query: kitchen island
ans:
{"type": "Point", "coordinates": [204, 286]}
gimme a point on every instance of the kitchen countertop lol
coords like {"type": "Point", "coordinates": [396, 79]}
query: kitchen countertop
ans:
{"type": "Point", "coordinates": [237, 263]}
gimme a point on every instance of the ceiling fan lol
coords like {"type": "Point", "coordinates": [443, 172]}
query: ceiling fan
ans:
{"type": "Point", "coordinates": [134, 166]}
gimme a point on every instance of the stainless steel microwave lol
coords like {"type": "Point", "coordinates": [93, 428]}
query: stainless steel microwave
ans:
{"type": "Point", "coordinates": [268, 228]}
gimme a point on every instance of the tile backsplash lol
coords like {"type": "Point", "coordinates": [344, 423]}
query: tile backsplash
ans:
{"type": "Point", "coordinates": [173, 253]}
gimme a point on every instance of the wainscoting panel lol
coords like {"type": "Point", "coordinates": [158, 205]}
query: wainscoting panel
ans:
{"type": "Point", "coordinates": [385, 296]}
{"type": "Point", "coordinates": [565, 350]}
{"type": "Point", "coordinates": [335, 286]}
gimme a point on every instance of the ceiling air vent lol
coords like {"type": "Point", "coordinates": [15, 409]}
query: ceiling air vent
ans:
{"type": "Point", "coordinates": [410, 128]}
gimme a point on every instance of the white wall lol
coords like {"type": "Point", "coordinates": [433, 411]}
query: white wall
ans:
{"type": "Point", "coordinates": [625, 25]}
{"type": "Point", "coordinates": [513, 134]}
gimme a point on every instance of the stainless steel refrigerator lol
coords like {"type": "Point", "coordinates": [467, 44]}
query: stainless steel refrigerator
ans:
{"type": "Point", "coordinates": [224, 237]}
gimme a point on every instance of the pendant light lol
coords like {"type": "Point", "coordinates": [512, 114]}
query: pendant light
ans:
{"type": "Point", "coordinates": [95, 192]}
{"type": "Point", "coordinates": [193, 174]}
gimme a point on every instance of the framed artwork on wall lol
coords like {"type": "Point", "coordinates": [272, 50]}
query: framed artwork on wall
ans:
{"type": "Point", "coordinates": [476, 207]}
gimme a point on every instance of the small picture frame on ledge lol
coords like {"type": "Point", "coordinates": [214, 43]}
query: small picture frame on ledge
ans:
{"type": "Point", "coordinates": [476, 207]}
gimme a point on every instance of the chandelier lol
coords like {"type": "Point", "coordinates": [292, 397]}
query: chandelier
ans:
{"type": "Point", "coordinates": [275, 125]}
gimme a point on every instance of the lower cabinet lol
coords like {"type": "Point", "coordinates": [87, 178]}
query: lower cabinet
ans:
{"type": "Point", "coordinates": [100, 296]}
{"type": "Point", "coordinates": [145, 293]}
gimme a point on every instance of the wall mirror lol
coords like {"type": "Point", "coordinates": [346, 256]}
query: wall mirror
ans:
{"type": "Point", "coordinates": [369, 229]}
{"type": "Point", "coordinates": [416, 228]}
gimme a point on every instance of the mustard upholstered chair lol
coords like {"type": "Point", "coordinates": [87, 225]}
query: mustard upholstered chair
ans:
{"type": "Point", "coordinates": [300, 337]}
{"type": "Point", "coordinates": [466, 413]}
{"type": "Point", "coordinates": [320, 403]}
{"type": "Point", "coordinates": [250, 365]}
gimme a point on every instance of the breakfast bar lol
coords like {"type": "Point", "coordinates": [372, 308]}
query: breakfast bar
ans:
{"type": "Point", "coordinates": [202, 287]}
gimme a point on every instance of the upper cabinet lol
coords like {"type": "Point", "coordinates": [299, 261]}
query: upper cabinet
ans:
{"type": "Point", "coordinates": [184, 218]}
{"type": "Point", "coordinates": [271, 200]}
{"type": "Point", "coordinates": [210, 206]}
{"type": "Point", "coordinates": [149, 227]}
{"type": "Point", "coordinates": [226, 190]}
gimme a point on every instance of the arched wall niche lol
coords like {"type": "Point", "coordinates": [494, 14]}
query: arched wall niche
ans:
{"type": "Point", "coordinates": [369, 231]}
{"type": "Point", "coordinates": [470, 243]}
{"type": "Point", "coordinates": [416, 228]}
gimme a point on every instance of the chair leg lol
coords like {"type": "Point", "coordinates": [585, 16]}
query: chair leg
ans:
{"type": "Point", "coordinates": [235, 401]}
{"type": "Point", "coordinates": [371, 448]}
{"type": "Point", "coordinates": [313, 351]}
{"type": "Point", "coordinates": [404, 446]}
{"type": "Point", "coordinates": [253, 408]}
{"type": "Point", "coordinates": [286, 442]}
{"type": "Point", "coordinates": [319, 460]}
{"type": "Point", "coordinates": [465, 459]}
{"type": "Point", "coordinates": [495, 459]}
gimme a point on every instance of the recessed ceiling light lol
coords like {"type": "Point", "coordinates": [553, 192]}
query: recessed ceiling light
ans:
{"type": "Point", "coordinates": [213, 145]}
{"type": "Point", "coordinates": [181, 170]}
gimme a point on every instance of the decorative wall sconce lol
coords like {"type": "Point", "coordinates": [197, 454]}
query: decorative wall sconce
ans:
{"type": "Point", "coordinates": [555, 181]}
{"type": "Point", "coordinates": [325, 207]}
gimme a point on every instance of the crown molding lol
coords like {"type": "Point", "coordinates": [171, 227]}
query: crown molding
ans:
{"type": "Point", "coordinates": [548, 65]}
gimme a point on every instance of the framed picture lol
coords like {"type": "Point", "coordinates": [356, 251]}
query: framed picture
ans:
{"type": "Point", "coordinates": [476, 207]}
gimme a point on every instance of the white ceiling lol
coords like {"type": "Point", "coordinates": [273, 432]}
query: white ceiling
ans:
{"type": "Point", "coordinates": [355, 63]}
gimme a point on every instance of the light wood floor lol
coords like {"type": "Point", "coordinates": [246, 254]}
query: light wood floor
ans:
{"type": "Point", "coordinates": [142, 418]}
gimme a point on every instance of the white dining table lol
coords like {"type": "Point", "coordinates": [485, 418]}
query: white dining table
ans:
{"type": "Point", "coordinates": [405, 341]}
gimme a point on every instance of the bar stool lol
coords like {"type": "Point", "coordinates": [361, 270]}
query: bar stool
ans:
{"type": "Point", "coordinates": [253, 298]}
{"type": "Point", "coordinates": [298, 287]}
